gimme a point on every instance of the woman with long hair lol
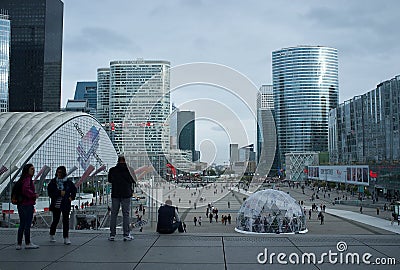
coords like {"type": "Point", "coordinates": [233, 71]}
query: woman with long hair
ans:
{"type": "Point", "coordinates": [26, 207]}
{"type": "Point", "coordinates": [62, 192]}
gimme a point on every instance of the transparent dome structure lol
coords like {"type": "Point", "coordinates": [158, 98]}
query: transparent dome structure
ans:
{"type": "Point", "coordinates": [270, 211]}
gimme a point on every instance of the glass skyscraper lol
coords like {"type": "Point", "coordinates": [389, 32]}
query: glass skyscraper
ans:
{"type": "Point", "coordinates": [366, 130]}
{"type": "Point", "coordinates": [267, 156]}
{"type": "Point", "coordinates": [305, 82]}
{"type": "Point", "coordinates": [4, 61]}
{"type": "Point", "coordinates": [133, 103]}
{"type": "Point", "coordinates": [186, 131]}
{"type": "Point", "coordinates": [87, 91]}
{"type": "Point", "coordinates": [35, 55]}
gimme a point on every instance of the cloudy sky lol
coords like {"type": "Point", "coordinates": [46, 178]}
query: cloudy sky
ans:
{"type": "Point", "coordinates": [238, 34]}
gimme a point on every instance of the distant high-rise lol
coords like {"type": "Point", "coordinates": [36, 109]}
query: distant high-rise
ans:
{"type": "Point", "coordinates": [4, 61]}
{"type": "Point", "coordinates": [35, 55]}
{"type": "Point", "coordinates": [182, 131]}
{"type": "Point", "coordinates": [133, 104]}
{"type": "Point", "coordinates": [233, 153]}
{"type": "Point", "coordinates": [87, 91]}
{"type": "Point", "coordinates": [103, 99]}
{"type": "Point", "coordinates": [267, 157]}
{"type": "Point", "coordinates": [186, 131]}
{"type": "Point", "coordinates": [305, 82]}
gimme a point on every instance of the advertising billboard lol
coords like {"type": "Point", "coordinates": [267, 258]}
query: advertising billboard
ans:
{"type": "Point", "coordinates": [354, 174]}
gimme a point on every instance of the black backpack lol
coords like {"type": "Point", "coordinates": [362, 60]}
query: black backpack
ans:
{"type": "Point", "coordinates": [16, 193]}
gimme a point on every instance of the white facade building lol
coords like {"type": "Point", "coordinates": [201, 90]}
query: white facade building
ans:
{"type": "Point", "coordinates": [136, 95]}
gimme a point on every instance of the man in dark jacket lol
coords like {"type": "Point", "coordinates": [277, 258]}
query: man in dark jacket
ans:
{"type": "Point", "coordinates": [168, 219]}
{"type": "Point", "coordinates": [122, 182]}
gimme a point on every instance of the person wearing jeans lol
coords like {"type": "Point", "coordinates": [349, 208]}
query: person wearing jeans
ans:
{"type": "Point", "coordinates": [116, 204]}
{"type": "Point", "coordinates": [122, 181]}
{"type": "Point", "coordinates": [26, 207]}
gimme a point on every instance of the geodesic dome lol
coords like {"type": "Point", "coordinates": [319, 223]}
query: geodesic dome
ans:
{"type": "Point", "coordinates": [270, 211]}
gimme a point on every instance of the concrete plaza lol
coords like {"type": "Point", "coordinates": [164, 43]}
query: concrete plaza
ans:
{"type": "Point", "coordinates": [346, 235]}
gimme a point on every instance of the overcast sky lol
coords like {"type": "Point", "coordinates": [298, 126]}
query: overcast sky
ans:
{"type": "Point", "coordinates": [238, 34]}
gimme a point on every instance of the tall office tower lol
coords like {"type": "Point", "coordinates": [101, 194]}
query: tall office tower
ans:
{"type": "Point", "coordinates": [103, 99]}
{"type": "Point", "coordinates": [233, 153]}
{"type": "Point", "coordinates": [186, 131]}
{"type": "Point", "coordinates": [4, 60]}
{"type": "Point", "coordinates": [138, 105]}
{"type": "Point", "coordinates": [266, 132]}
{"type": "Point", "coordinates": [87, 91]}
{"type": "Point", "coordinates": [36, 54]}
{"type": "Point", "coordinates": [305, 82]}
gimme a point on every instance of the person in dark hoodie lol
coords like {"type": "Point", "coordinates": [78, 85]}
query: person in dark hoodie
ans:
{"type": "Point", "coordinates": [122, 182]}
{"type": "Point", "coordinates": [62, 192]}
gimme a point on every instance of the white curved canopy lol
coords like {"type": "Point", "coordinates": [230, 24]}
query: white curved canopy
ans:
{"type": "Point", "coordinates": [22, 133]}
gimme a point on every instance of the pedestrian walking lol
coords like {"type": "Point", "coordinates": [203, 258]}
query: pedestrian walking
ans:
{"type": "Point", "coordinates": [184, 226]}
{"type": "Point", "coordinates": [122, 183]}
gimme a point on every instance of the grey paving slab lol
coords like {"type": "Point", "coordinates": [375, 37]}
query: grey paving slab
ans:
{"type": "Point", "coordinates": [17, 265]}
{"type": "Point", "coordinates": [259, 241]}
{"type": "Point", "coordinates": [344, 258]}
{"type": "Point", "coordinates": [317, 240]}
{"type": "Point", "coordinates": [386, 240]}
{"type": "Point", "coordinates": [189, 241]}
{"type": "Point", "coordinates": [88, 265]}
{"type": "Point", "coordinates": [44, 254]}
{"type": "Point", "coordinates": [181, 266]}
{"type": "Point", "coordinates": [357, 267]}
{"type": "Point", "coordinates": [388, 251]}
{"type": "Point", "coordinates": [249, 254]}
{"type": "Point", "coordinates": [177, 254]}
{"type": "Point", "coordinates": [246, 266]}
{"type": "Point", "coordinates": [143, 240]}
{"type": "Point", "coordinates": [107, 252]}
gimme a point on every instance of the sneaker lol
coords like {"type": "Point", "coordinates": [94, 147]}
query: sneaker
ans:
{"type": "Point", "coordinates": [52, 238]}
{"type": "Point", "coordinates": [31, 246]}
{"type": "Point", "coordinates": [18, 247]}
{"type": "Point", "coordinates": [128, 238]}
{"type": "Point", "coordinates": [67, 241]}
{"type": "Point", "coordinates": [111, 238]}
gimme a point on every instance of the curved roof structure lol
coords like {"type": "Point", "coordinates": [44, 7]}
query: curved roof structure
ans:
{"type": "Point", "coordinates": [23, 133]}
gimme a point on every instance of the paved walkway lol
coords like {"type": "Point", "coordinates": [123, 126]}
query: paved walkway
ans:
{"type": "Point", "coordinates": [217, 246]}
{"type": "Point", "coordinates": [92, 250]}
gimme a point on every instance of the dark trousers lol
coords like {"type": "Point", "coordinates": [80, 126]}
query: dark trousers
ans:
{"type": "Point", "coordinates": [56, 218]}
{"type": "Point", "coordinates": [174, 226]}
{"type": "Point", "coordinates": [25, 213]}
